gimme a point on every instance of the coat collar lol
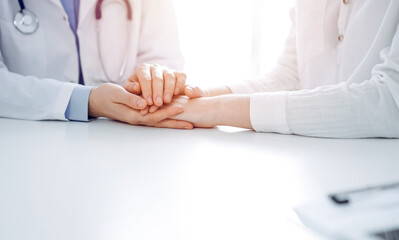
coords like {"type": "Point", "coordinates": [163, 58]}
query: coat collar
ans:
{"type": "Point", "coordinates": [84, 9]}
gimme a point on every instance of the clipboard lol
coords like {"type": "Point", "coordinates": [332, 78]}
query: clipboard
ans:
{"type": "Point", "coordinates": [370, 213]}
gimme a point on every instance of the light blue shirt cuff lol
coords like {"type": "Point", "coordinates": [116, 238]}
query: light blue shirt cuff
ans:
{"type": "Point", "coordinates": [78, 106]}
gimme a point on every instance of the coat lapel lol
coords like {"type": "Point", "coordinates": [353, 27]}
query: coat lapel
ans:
{"type": "Point", "coordinates": [57, 3]}
{"type": "Point", "coordinates": [86, 6]}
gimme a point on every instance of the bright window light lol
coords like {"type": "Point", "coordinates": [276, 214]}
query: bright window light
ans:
{"type": "Point", "coordinates": [225, 41]}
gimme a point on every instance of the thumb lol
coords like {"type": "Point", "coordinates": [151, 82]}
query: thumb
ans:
{"type": "Point", "coordinates": [132, 87]}
{"type": "Point", "coordinates": [131, 100]}
{"type": "Point", "coordinates": [164, 113]}
{"type": "Point", "coordinates": [195, 92]}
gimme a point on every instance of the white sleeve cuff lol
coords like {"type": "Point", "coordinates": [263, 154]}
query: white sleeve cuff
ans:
{"type": "Point", "coordinates": [267, 112]}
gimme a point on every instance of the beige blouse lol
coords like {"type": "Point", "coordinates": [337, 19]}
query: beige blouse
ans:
{"type": "Point", "coordinates": [338, 75]}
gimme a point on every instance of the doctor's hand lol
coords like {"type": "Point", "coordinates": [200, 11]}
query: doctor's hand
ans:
{"type": "Point", "coordinates": [156, 84]}
{"type": "Point", "coordinates": [114, 102]}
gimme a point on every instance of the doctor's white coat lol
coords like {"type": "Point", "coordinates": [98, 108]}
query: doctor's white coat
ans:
{"type": "Point", "coordinates": [38, 72]}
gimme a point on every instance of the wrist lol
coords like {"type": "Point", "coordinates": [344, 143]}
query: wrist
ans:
{"type": "Point", "coordinates": [93, 103]}
{"type": "Point", "coordinates": [232, 110]}
{"type": "Point", "coordinates": [213, 109]}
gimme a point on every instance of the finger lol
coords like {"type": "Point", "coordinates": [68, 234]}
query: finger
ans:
{"type": "Point", "coordinates": [145, 111]}
{"type": "Point", "coordinates": [169, 88]}
{"type": "Point", "coordinates": [162, 114]}
{"type": "Point", "coordinates": [132, 87]}
{"type": "Point", "coordinates": [153, 108]}
{"type": "Point", "coordinates": [130, 100]}
{"type": "Point", "coordinates": [126, 114]}
{"type": "Point", "coordinates": [180, 82]}
{"type": "Point", "coordinates": [157, 85]}
{"type": "Point", "coordinates": [144, 77]}
{"type": "Point", "coordinates": [194, 92]}
{"type": "Point", "coordinates": [177, 124]}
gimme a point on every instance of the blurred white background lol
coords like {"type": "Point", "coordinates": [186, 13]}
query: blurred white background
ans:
{"type": "Point", "coordinates": [231, 40]}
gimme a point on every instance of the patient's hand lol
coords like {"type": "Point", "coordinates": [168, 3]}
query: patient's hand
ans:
{"type": "Point", "coordinates": [196, 92]}
{"type": "Point", "coordinates": [202, 112]}
{"type": "Point", "coordinates": [207, 112]}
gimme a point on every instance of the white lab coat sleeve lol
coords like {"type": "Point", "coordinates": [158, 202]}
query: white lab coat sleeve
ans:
{"type": "Point", "coordinates": [27, 97]}
{"type": "Point", "coordinates": [284, 76]}
{"type": "Point", "coordinates": [346, 110]}
{"type": "Point", "coordinates": [159, 40]}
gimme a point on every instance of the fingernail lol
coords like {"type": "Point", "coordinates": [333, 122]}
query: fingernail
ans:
{"type": "Point", "coordinates": [134, 85]}
{"type": "Point", "coordinates": [187, 127]}
{"type": "Point", "coordinates": [141, 103]}
{"type": "Point", "coordinates": [159, 100]}
{"type": "Point", "coordinates": [190, 89]}
{"type": "Point", "coordinates": [167, 97]}
{"type": "Point", "coordinates": [149, 100]}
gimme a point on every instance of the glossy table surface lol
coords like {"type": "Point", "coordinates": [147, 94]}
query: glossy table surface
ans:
{"type": "Point", "coordinates": [109, 180]}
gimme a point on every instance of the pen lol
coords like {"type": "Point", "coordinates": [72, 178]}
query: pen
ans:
{"type": "Point", "coordinates": [347, 197]}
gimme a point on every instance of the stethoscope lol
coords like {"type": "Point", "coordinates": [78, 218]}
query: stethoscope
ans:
{"type": "Point", "coordinates": [27, 23]}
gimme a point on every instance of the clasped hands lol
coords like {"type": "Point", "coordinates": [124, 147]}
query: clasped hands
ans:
{"type": "Point", "coordinates": [152, 96]}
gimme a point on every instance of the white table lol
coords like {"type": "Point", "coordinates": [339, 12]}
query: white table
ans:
{"type": "Point", "coordinates": [108, 180]}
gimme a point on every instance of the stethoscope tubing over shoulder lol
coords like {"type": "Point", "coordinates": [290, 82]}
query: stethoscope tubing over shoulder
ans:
{"type": "Point", "coordinates": [27, 23]}
{"type": "Point", "coordinates": [98, 15]}
{"type": "Point", "coordinates": [128, 7]}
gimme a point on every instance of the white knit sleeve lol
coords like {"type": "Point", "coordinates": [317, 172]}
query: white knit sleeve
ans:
{"type": "Point", "coordinates": [346, 110]}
